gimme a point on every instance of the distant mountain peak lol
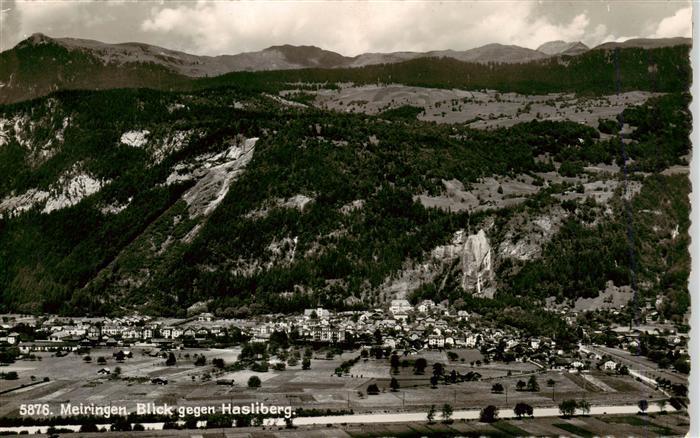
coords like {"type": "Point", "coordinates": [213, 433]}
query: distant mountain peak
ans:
{"type": "Point", "coordinates": [560, 47]}
{"type": "Point", "coordinates": [309, 56]}
{"type": "Point", "coordinates": [292, 47]}
{"type": "Point", "coordinates": [646, 43]}
{"type": "Point", "coordinates": [36, 39]}
{"type": "Point", "coordinates": [38, 36]}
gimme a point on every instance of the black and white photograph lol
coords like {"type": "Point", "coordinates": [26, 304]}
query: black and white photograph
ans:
{"type": "Point", "coordinates": [353, 219]}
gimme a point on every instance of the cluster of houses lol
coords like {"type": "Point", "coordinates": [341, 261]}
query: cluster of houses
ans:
{"type": "Point", "coordinates": [400, 326]}
{"type": "Point", "coordinates": [647, 312]}
{"type": "Point", "coordinates": [56, 333]}
{"type": "Point", "coordinates": [428, 325]}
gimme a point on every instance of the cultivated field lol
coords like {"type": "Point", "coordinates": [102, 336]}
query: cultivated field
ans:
{"type": "Point", "coordinates": [72, 380]}
{"type": "Point", "coordinates": [480, 109]}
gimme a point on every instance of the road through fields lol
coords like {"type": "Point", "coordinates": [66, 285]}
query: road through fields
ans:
{"type": "Point", "coordinates": [471, 414]}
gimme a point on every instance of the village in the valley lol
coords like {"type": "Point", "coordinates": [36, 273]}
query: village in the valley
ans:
{"type": "Point", "coordinates": [400, 359]}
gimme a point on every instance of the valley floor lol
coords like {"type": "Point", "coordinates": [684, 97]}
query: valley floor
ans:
{"type": "Point", "coordinates": [613, 397]}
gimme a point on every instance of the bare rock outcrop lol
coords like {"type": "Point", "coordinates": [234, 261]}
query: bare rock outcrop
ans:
{"type": "Point", "coordinates": [469, 257]}
{"type": "Point", "coordinates": [215, 174]}
{"type": "Point", "coordinates": [477, 265]}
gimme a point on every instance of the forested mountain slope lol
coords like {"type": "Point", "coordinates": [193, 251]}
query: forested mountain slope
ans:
{"type": "Point", "coordinates": [231, 194]}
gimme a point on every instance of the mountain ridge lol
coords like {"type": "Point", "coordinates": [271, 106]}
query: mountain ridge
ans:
{"type": "Point", "coordinates": [276, 57]}
{"type": "Point", "coordinates": [562, 47]}
{"type": "Point", "coordinates": [300, 56]}
{"type": "Point", "coordinates": [41, 65]}
{"type": "Point", "coordinates": [288, 56]}
{"type": "Point", "coordinates": [645, 43]}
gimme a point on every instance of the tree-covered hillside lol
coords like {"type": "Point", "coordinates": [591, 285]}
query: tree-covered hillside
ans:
{"type": "Point", "coordinates": [221, 191]}
{"type": "Point", "coordinates": [33, 70]}
{"type": "Point", "coordinates": [664, 69]}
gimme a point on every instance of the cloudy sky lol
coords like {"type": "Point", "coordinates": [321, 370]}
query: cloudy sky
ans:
{"type": "Point", "coordinates": [348, 27]}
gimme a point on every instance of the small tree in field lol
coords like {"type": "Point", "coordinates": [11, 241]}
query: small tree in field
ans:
{"type": "Point", "coordinates": [489, 414]}
{"type": "Point", "coordinates": [88, 427]}
{"type": "Point", "coordinates": [447, 413]}
{"type": "Point", "coordinates": [394, 385]}
{"type": "Point", "coordinates": [420, 365]}
{"type": "Point", "coordinates": [643, 406]}
{"type": "Point", "coordinates": [568, 407]}
{"type": "Point", "coordinates": [431, 414]}
{"type": "Point", "coordinates": [584, 407]}
{"type": "Point", "coordinates": [171, 360]}
{"type": "Point", "coordinates": [395, 363]}
{"type": "Point", "coordinates": [254, 382]}
{"type": "Point", "coordinates": [532, 384]}
{"type": "Point", "coordinates": [522, 409]}
{"type": "Point", "coordinates": [662, 405]}
{"type": "Point", "coordinates": [497, 388]}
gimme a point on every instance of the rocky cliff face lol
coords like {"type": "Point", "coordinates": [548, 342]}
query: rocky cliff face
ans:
{"type": "Point", "coordinates": [217, 173]}
{"type": "Point", "coordinates": [477, 265]}
{"type": "Point", "coordinates": [525, 234]}
{"type": "Point", "coordinates": [70, 188]}
{"type": "Point", "coordinates": [470, 255]}
{"type": "Point", "coordinates": [212, 174]}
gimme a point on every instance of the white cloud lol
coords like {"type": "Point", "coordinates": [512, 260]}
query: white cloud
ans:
{"type": "Point", "coordinates": [679, 24]}
{"type": "Point", "coordinates": [354, 27]}
{"type": "Point", "coordinates": [348, 27]}
{"type": "Point", "coordinates": [81, 19]}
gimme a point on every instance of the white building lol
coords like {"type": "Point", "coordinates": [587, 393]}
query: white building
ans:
{"type": "Point", "coordinates": [205, 317]}
{"type": "Point", "coordinates": [425, 306]}
{"type": "Point", "coordinates": [610, 366]}
{"type": "Point", "coordinates": [471, 340]}
{"type": "Point", "coordinates": [13, 338]}
{"type": "Point", "coordinates": [578, 365]}
{"type": "Point", "coordinates": [436, 341]}
{"type": "Point", "coordinates": [400, 307]}
{"type": "Point", "coordinates": [320, 313]}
